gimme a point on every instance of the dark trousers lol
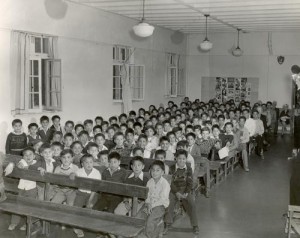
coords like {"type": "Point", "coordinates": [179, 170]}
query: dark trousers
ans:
{"type": "Point", "coordinates": [259, 140]}
{"type": "Point", "coordinates": [108, 202]}
{"type": "Point", "coordinates": [188, 205]}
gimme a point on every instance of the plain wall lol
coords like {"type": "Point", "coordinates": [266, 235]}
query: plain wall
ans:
{"type": "Point", "coordinates": [274, 79]}
{"type": "Point", "coordinates": [85, 39]}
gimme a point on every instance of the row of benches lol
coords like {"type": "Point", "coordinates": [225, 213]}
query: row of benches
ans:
{"type": "Point", "coordinates": [211, 171]}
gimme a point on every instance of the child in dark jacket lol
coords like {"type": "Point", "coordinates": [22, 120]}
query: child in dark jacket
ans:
{"type": "Point", "coordinates": [181, 190]}
{"type": "Point", "coordinates": [17, 140]}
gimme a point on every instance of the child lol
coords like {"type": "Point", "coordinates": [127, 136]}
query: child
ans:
{"type": "Point", "coordinates": [181, 190]}
{"type": "Point", "coordinates": [109, 142]}
{"type": "Point", "coordinates": [137, 177]}
{"type": "Point", "coordinates": [103, 161]}
{"type": "Point", "coordinates": [55, 124]}
{"type": "Point", "coordinates": [88, 126]}
{"type": "Point", "coordinates": [32, 137]}
{"type": "Point", "coordinates": [193, 148]}
{"type": "Point", "coordinates": [98, 120]}
{"type": "Point", "coordinates": [69, 127]}
{"type": "Point", "coordinates": [85, 197]}
{"type": "Point", "coordinates": [16, 141]}
{"type": "Point", "coordinates": [156, 202]}
{"type": "Point", "coordinates": [68, 140]}
{"type": "Point", "coordinates": [129, 143]}
{"type": "Point", "coordinates": [97, 129]}
{"type": "Point", "coordinates": [65, 194]}
{"type": "Point", "coordinates": [183, 145]}
{"type": "Point", "coordinates": [44, 131]}
{"type": "Point", "coordinates": [137, 130]}
{"type": "Point", "coordinates": [100, 140]}
{"type": "Point", "coordinates": [57, 136]}
{"type": "Point", "coordinates": [26, 188]}
{"type": "Point", "coordinates": [142, 143]}
{"type": "Point", "coordinates": [77, 148]}
{"type": "Point", "coordinates": [161, 155]}
{"type": "Point", "coordinates": [152, 139]}
{"type": "Point", "coordinates": [57, 149]}
{"type": "Point", "coordinates": [92, 149]}
{"type": "Point", "coordinates": [173, 142]}
{"type": "Point", "coordinates": [138, 151]}
{"type": "Point", "coordinates": [123, 128]}
{"type": "Point", "coordinates": [120, 148]}
{"type": "Point", "coordinates": [165, 145]}
{"type": "Point", "coordinates": [114, 174]}
{"type": "Point", "coordinates": [84, 139]}
{"type": "Point", "coordinates": [205, 142]}
{"type": "Point", "coordinates": [78, 129]}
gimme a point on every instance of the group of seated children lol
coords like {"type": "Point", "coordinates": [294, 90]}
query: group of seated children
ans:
{"type": "Point", "coordinates": [186, 133]}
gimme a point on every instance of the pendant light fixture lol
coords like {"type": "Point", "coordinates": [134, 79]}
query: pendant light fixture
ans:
{"type": "Point", "coordinates": [206, 45]}
{"type": "Point", "coordinates": [237, 51]}
{"type": "Point", "coordinates": [143, 29]}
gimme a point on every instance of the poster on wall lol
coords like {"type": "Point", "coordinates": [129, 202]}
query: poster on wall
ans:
{"type": "Point", "coordinates": [231, 88]}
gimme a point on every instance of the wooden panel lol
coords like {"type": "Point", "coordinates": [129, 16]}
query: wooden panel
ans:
{"type": "Point", "coordinates": [84, 183]}
{"type": "Point", "coordinates": [93, 220]}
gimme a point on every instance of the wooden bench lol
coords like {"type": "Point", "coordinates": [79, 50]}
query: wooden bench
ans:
{"type": "Point", "coordinates": [293, 220]}
{"type": "Point", "coordinates": [93, 220]}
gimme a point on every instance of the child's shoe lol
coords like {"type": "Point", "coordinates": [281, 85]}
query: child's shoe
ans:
{"type": "Point", "coordinates": [196, 229]}
{"type": "Point", "coordinates": [12, 227]}
{"type": "Point", "coordinates": [23, 228]}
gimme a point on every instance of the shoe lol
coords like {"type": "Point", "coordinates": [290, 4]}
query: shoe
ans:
{"type": "Point", "coordinates": [195, 229]}
{"type": "Point", "coordinates": [247, 170]}
{"type": "Point", "coordinates": [12, 227]}
{"type": "Point", "coordinates": [23, 228]}
{"type": "Point", "coordinates": [166, 230]}
{"type": "Point", "coordinates": [79, 233]}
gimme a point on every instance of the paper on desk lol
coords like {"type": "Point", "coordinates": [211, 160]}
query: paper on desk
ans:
{"type": "Point", "coordinates": [223, 152]}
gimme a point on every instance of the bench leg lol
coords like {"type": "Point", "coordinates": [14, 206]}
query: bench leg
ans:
{"type": "Point", "coordinates": [29, 224]}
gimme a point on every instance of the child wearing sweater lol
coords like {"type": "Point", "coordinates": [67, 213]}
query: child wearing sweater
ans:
{"type": "Point", "coordinates": [17, 140]}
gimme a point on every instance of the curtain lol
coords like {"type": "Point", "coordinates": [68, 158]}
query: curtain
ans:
{"type": "Point", "coordinates": [126, 92]}
{"type": "Point", "coordinates": [19, 70]}
{"type": "Point", "coordinates": [168, 75]}
{"type": "Point", "coordinates": [54, 91]}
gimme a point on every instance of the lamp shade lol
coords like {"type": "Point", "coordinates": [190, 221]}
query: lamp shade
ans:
{"type": "Point", "coordinates": [237, 52]}
{"type": "Point", "coordinates": [206, 45]}
{"type": "Point", "coordinates": [143, 29]}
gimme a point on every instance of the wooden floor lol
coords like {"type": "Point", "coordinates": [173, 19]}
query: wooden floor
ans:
{"type": "Point", "coordinates": [245, 205]}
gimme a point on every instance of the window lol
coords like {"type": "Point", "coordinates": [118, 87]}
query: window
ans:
{"type": "Point", "coordinates": [43, 86]}
{"type": "Point", "coordinates": [175, 81]}
{"type": "Point", "coordinates": [123, 69]}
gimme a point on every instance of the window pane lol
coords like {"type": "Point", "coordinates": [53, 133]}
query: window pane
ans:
{"type": "Point", "coordinates": [38, 45]}
{"type": "Point", "coordinates": [35, 67]}
{"type": "Point", "coordinates": [116, 70]}
{"type": "Point", "coordinates": [56, 69]}
{"type": "Point", "coordinates": [46, 45]}
{"type": "Point", "coordinates": [123, 54]}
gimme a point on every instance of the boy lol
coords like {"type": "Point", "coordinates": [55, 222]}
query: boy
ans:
{"type": "Point", "coordinates": [65, 194]}
{"type": "Point", "coordinates": [181, 190]}
{"type": "Point", "coordinates": [165, 145]}
{"type": "Point", "coordinates": [44, 131]}
{"type": "Point", "coordinates": [123, 128]}
{"type": "Point", "coordinates": [109, 142]}
{"type": "Point", "coordinates": [161, 155]}
{"type": "Point", "coordinates": [113, 173]}
{"type": "Point", "coordinates": [137, 130]}
{"type": "Point", "coordinates": [205, 143]}
{"type": "Point", "coordinates": [69, 127]}
{"type": "Point", "coordinates": [26, 188]}
{"type": "Point", "coordinates": [100, 140]}
{"type": "Point", "coordinates": [88, 126]}
{"type": "Point", "coordinates": [98, 120]}
{"type": "Point", "coordinates": [68, 140]}
{"type": "Point", "coordinates": [57, 136]}
{"type": "Point", "coordinates": [120, 148]}
{"type": "Point", "coordinates": [193, 148]}
{"type": "Point", "coordinates": [156, 202]}
{"type": "Point", "coordinates": [85, 197]}
{"type": "Point", "coordinates": [137, 177]}
{"type": "Point", "coordinates": [244, 137]}
{"type": "Point", "coordinates": [78, 129]}
{"type": "Point", "coordinates": [77, 148]}
{"type": "Point", "coordinates": [183, 145]}
{"type": "Point", "coordinates": [129, 143]}
{"type": "Point", "coordinates": [97, 129]}
{"type": "Point", "coordinates": [84, 139]}
{"type": "Point", "coordinates": [33, 136]}
{"type": "Point", "coordinates": [92, 149]}
{"type": "Point", "coordinates": [138, 151]}
{"type": "Point", "coordinates": [103, 160]}
{"type": "Point", "coordinates": [57, 149]}
{"type": "Point", "coordinates": [142, 143]}
{"type": "Point", "coordinates": [16, 141]}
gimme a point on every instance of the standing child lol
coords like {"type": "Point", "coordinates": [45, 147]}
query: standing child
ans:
{"type": "Point", "coordinates": [17, 140]}
{"type": "Point", "coordinates": [113, 173]}
{"type": "Point", "coordinates": [85, 197]}
{"type": "Point", "coordinates": [33, 135]}
{"type": "Point", "coordinates": [181, 190]}
{"type": "Point", "coordinates": [77, 148]}
{"type": "Point", "coordinates": [157, 201]}
{"type": "Point", "coordinates": [44, 131]}
{"type": "Point", "coordinates": [57, 148]}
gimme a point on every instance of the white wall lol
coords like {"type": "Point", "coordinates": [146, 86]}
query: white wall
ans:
{"type": "Point", "coordinates": [274, 79]}
{"type": "Point", "coordinates": [86, 37]}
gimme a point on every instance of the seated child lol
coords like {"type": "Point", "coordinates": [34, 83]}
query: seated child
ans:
{"type": "Point", "coordinates": [92, 149]}
{"type": "Point", "coordinates": [109, 142]}
{"type": "Point", "coordinates": [57, 137]}
{"type": "Point", "coordinates": [78, 128]}
{"type": "Point", "coordinates": [120, 148]}
{"type": "Point", "coordinates": [142, 143]}
{"type": "Point", "coordinates": [16, 141]}
{"type": "Point", "coordinates": [181, 190]}
{"type": "Point", "coordinates": [137, 151]}
{"type": "Point", "coordinates": [26, 188]}
{"type": "Point", "coordinates": [88, 126]}
{"type": "Point", "coordinates": [102, 161]}
{"type": "Point", "coordinates": [137, 130]}
{"type": "Point", "coordinates": [97, 129]}
{"type": "Point", "coordinates": [157, 201]}
{"type": "Point", "coordinates": [137, 177]}
{"type": "Point", "coordinates": [68, 140]}
{"type": "Point", "coordinates": [99, 139]}
{"type": "Point", "coordinates": [77, 148]}
{"type": "Point", "coordinates": [173, 142]}
{"type": "Point", "coordinates": [33, 135]}
{"type": "Point", "coordinates": [193, 148]}
{"type": "Point", "coordinates": [65, 194]}
{"type": "Point", "coordinates": [165, 145]}
{"type": "Point", "coordinates": [161, 155]}
{"type": "Point", "coordinates": [57, 149]}
{"type": "Point", "coordinates": [113, 173]}
{"type": "Point", "coordinates": [129, 143]}
{"type": "Point", "coordinates": [85, 197]}
{"type": "Point", "coordinates": [83, 137]}
{"type": "Point", "coordinates": [205, 143]}
{"type": "Point", "coordinates": [152, 139]}
{"type": "Point", "coordinates": [183, 145]}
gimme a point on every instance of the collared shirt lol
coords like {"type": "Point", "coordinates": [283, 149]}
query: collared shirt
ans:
{"type": "Point", "coordinates": [244, 135]}
{"type": "Point", "coordinates": [251, 126]}
{"type": "Point", "coordinates": [66, 171]}
{"type": "Point", "coordinates": [102, 148]}
{"type": "Point", "coordinates": [50, 166]}
{"type": "Point", "coordinates": [94, 174]}
{"type": "Point", "coordinates": [112, 172]}
{"type": "Point", "coordinates": [141, 176]}
{"type": "Point", "coordinates": [176, 167]}
{"type": "Point", "coordinates": [26, 184]}
{"type": "Point", "coordinates": [259, 129]}
{"type": "Point", "coordinates": [158, 193]}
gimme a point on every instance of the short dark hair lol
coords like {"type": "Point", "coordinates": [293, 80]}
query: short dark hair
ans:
{"type": "Point", "coordinates": [158, 163]}
{"type": "Point", "coordinates": [103, 152]}
{"type": "Point", "coordinates": [181, 152]}
{"type": "Point", "coordinates": [79, 125]}
{"type": "Point", "coordinates": [242, 117]}
{"type": "Point", "coordinates": [190, 134]}
{"type": "Point", "coordinates": [76, 142]}
{"type": "Point", "coordinates": [143, 136]}
{"type": "Point", "coordinates": [136, 149]}
{"type": "Point", "coordinates": [68, 135]}
{"type": "Point", "coordinates": [182, 143]}
{"type": "Point", "coordinates": [91, 144]}
{"type": "Point", "coordinates": [114, 155]}
{"type": "Point", "coordinates": [99, 135]}
{"type": "Point", "coordinates": [44, 147]}
{"type": "Point", "coordinates": [137, 124]}
{"type": "Point", "coordinates": [163, 138]}
{"type": "Point", "coordinates": [56, 143]}
{"type": "Point", "coordinates": [83, 133]}
{"type": "Point", "coordinates": [32, 125]}
{"type": "Point", "coordinates": [129, 131]}
{"type": "Point", "coordinates": [160, 152]}
{"type": "Point", "coordinates": [88, 121]}
{"type": "Point", "coordinates": [112, 118]}
{"type": "Point", "coordinates": [55, 117]}
{"type": "Point", "coordinates": [66, 151]}
{"type": "Point", "coordinates": [57, 133]}
{"type": "Point", "coordinates": [44, 118]}
{"type": "Point", "coordinates": [69, 122]}
{"type": "Point", "coordinates": [28, 149]}
{"type": "Point", "coordinates": [85, 157]}
{"type": "Point", "coordinates": [15, 121]}
{"type": "Point", "coordinates": [97, 127]}
{"type": "Point", "coordinates": [137, 158]}
{"type": "Point", "coordinates": [99, 118]}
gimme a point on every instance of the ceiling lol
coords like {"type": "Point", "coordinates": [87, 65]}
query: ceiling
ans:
{"type": "Point", "coordinates": [225, 15]}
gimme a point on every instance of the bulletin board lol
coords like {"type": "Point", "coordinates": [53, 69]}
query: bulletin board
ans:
{"type": "Point", "coordinates": [227, 88]}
